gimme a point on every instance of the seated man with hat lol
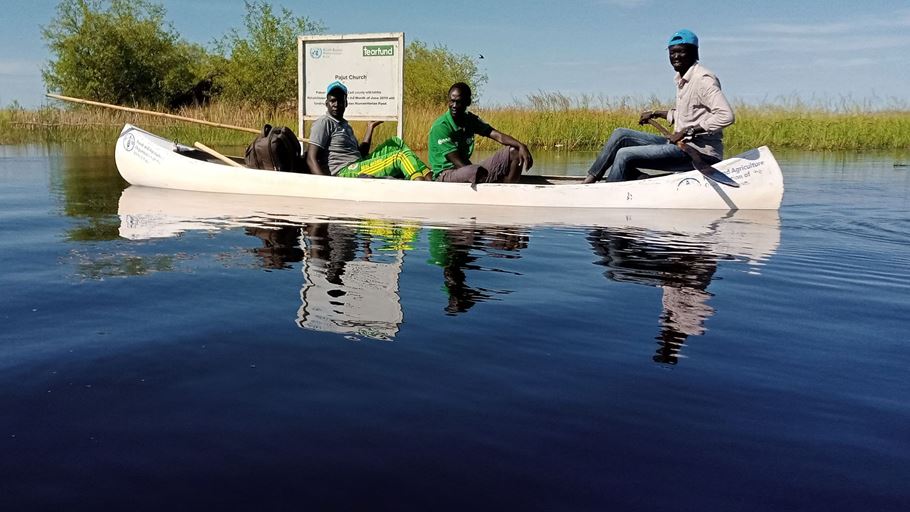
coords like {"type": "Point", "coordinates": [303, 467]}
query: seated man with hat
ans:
{"type": "Point", "coordinates": [701, 114]}
{"type": "Point", "coordinates": [334, 149]}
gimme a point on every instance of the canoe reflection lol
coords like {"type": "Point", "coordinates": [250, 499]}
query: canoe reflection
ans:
{"type": "Point", "coordinates": [352, 255]}
{"type": "Point", "coordinates": [682, 266]}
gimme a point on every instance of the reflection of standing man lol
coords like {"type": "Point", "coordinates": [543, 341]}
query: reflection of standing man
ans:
{"type": "Point", "coordinates": [701, 114]}
{"type": "Point", "coordinates": [451, 249]}
{"type": "Point", "coordinates": [685, 310]}
{"type": "Point", "coordinates": [683, 274]}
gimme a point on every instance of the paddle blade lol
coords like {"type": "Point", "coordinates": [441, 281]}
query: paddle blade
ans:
{"type": "Point", "coordinates": [709, 171]}
{"type": "Point", "coordinates": [718, 176]}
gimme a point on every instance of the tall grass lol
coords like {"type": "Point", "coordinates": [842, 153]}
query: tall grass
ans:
{"type": "Point", "coordinates": [94, 124]}
{"type": "Point", "coordinates": [545, 121]}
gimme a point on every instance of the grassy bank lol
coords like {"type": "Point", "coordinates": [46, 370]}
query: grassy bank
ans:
{"type": "Point", "coordinates": [553, 123]}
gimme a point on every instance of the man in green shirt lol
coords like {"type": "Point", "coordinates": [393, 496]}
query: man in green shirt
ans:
{"type": "Point", "coordinates": [451, 144]}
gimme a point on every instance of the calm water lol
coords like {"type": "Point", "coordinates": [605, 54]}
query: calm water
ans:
{"type": "Point", "coordinates": [164, 350]}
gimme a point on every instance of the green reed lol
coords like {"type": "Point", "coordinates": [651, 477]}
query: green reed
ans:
{"type": "Point", "coordinates": [546, 121]}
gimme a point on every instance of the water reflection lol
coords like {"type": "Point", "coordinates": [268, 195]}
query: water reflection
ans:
{"type": "Point", "coordinates": [682, 272]}
{"type": "Point", "coordinates": [351, 277]}
{"type": "Point", "coordinates": [456, 251]}
{"type": "Point", "coordinates": [352, 255]}
{"type": "Point", "coordinates": [88, 184]}
{"type": "Point", "coordinates": [350, 272]}
{"type": "Point", "coordinates": [101, 266]}
{"type": "Point", "coordinates": [280, 246]}
{"type": "Point", "coordinates": [682, 262]}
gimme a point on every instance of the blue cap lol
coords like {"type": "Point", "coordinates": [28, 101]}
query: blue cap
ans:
{"type": "Point", "coordinates": [683, 36]}
{"type": "Point", "coordinates": [336, 85]}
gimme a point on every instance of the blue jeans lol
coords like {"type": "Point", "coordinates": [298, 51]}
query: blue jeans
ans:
{"type": "Point", "coordinates": [627, 150]}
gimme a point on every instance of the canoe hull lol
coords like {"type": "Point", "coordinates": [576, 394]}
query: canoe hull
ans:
{"type": "Point", "coordinates": [148, 160]}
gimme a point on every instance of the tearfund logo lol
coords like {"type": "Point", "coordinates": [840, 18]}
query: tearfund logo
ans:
{"type": "Point", "coordinates": [385, 50]}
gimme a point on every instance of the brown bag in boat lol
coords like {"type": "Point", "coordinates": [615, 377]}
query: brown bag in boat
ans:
{"type": "Point", "coordinates": [277, 149]}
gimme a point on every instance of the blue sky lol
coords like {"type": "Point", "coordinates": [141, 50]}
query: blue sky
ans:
{"type": "Point", "coordinates": [816, 50]}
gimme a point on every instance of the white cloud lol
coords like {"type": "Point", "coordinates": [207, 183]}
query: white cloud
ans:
{"type": "Point", "coordinates": [19, 68]}
{"type": "Point", "coordinates": [861, 34]}
{"type": "Point", "coordinates": [570, 64]}
{"type": "Point", "coordinates": [896, 21]}
{"type": "Point", "coordinates": [831, 64]}
{"type": "Point", "coordinates": [625, 4]}
{"type": "Point", "coordinates": [796, 44]}
{"type": "Point", "coordinates": [847, 63]}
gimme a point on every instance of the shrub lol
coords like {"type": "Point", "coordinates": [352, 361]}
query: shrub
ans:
{"type": "Point", "coordinates": [260, 66]}
{"type": "Point", "coordinates": [429, 72]}
{"type": "Point", "coordinates": [117, 51]}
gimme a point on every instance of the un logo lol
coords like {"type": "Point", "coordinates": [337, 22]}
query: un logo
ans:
{"type": "Point", "coordinates": [129, 142]}
{"type": "Point", "coordinates": [315, 53]}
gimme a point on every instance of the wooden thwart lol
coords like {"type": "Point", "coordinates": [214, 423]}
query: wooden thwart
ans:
{"type": "Point", "coordinates": [202, 147]}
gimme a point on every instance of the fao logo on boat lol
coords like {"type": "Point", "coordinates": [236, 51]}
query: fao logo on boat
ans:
{"type": "Point", "coordinates": [316, 53]}
{"type": "Point", "coordinates": [129, 142]}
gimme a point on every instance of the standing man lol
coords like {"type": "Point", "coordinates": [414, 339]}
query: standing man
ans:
{"type": "Point", "coordinates": [701, 114]}
{"type": "Point", "coordinates": [334, 149]}
{"type": "Point", "coordinates": [451, 144]}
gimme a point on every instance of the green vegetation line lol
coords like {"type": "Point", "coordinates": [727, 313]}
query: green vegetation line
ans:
{"type": "Point", "coordinates": [569, 129]}
{"type": "Point", "coordinates": [125, 52]}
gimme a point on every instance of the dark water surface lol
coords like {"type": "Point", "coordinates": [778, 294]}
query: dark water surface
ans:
{"type": "Point", "coordinates": [170, 351]}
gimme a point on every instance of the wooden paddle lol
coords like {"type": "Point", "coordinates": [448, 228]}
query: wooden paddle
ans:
{"type": "Point", "coordinates": [159, 114]}
{"type": "Point", "coordinates": [705, 168]}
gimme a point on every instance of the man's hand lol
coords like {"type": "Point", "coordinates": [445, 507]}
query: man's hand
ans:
{"type": "Point", "coordinates": [368, 138]}
{"type": "Point", "coordinates": [676, 137]}
{"type": "Point", "coordinates": [525, 160]}
{"type": "Point", "coordinates": [313, 158]}
{"type": "Point", "coordinates": [647, 115]}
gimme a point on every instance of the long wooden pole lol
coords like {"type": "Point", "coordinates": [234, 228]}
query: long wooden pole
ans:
{"type": "Point", "coordinates": [152, 113]}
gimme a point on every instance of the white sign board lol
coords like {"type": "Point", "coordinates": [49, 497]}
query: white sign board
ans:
{"type": "Point", "coordinates": [371, 66]}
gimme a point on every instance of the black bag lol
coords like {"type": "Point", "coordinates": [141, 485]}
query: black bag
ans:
{"type": "Point", "coordinates": [277, 149]}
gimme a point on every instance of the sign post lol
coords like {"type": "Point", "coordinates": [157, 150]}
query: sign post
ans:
{"type": "Point", "coordinates": [371, 66]}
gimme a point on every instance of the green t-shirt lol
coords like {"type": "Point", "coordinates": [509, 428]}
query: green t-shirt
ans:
{"type": "Point", "coordinates": [446, 136]}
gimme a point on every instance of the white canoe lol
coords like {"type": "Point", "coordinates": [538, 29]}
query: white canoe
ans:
{"type": "Point", "coordinates": [149, 160]}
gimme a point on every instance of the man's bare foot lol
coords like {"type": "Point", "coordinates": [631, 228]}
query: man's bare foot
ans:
{"type": "Point", "coordinates": [589, 179]}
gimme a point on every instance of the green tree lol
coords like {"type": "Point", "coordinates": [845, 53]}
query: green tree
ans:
{"type": "Point", "coordinates": [260, 65]}
{"type": "Point", "coordinates": [117, 51]}
{"type": "Point", "coordinates": [429, 72]}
